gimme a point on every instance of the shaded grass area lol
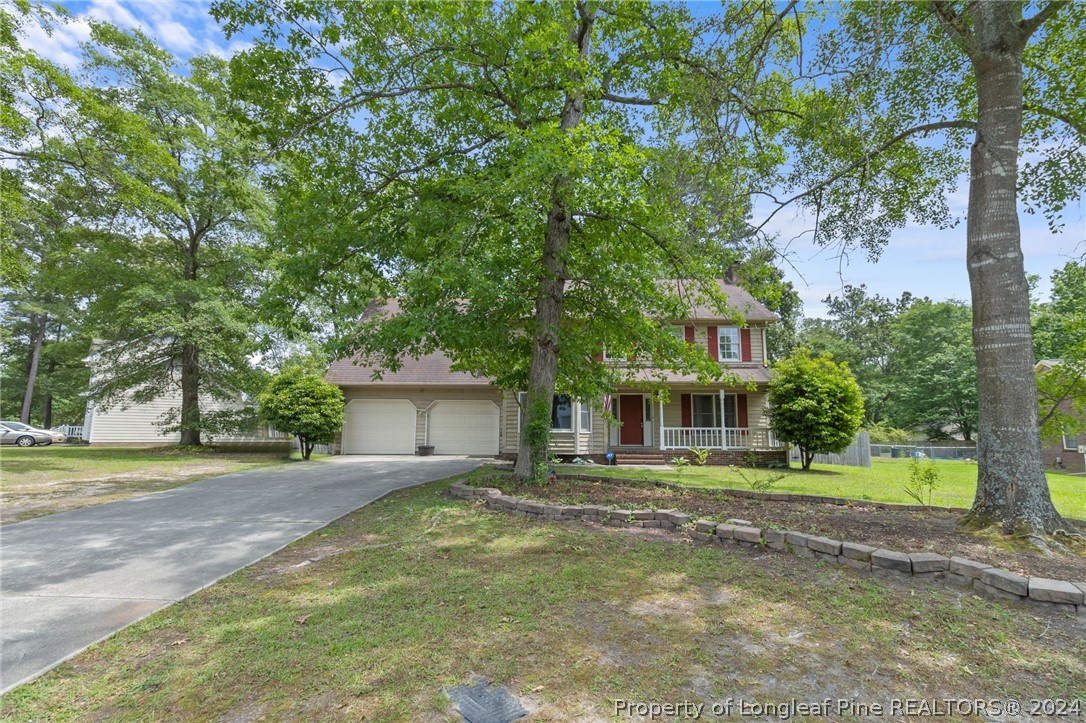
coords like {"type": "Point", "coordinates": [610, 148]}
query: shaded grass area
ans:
{"type": "Point", "coordinates": [884, 481]}
{"type": "Point", "coordinates": [568, 616]}
{"type": "Point", "coordinates": [45, 480]}
{"type": "Point", "coordinates": [935, 531]}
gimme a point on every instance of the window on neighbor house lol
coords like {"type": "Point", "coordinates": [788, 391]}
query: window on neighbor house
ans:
{"type": "Point", "coordinates": [728, 341]}
{"type": "Point", "coordinates": [586, 417]}
{"type": "Point", "coordinates": [1070, 442]}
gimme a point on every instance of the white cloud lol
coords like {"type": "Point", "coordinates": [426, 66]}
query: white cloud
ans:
{"type": "Point", "coordinates": [175, 36]}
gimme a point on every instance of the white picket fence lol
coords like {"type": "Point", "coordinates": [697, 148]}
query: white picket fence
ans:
{"type": "Point", "coordinates": [71, 431]}
{"type": "Point", "coordinates": [858, 454]}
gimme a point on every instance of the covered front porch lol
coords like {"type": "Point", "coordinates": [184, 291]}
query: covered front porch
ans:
{"type": "Point", "coordinates": [715, 419]}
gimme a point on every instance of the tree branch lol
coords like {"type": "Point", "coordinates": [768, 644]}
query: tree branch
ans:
{"type": "Point", "coordinates": [1030, 25]}
{"type": "Point", "coordinates": [955, 26]}
{"type": "Point", "coordinates": [1076, 124]}
{"type": "Point", "coordinates": [873, 153]}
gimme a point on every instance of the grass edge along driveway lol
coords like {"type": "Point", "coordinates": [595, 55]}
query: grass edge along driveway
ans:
{"type": "Point", "coordinates": [45, 480]}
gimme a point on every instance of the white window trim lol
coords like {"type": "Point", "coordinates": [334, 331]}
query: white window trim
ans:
{"type": "Point", "coordinates": [522, 399]}
{"type": "Point", "coordinates": [1074, 442]}
{"type": "Point", "coordinates": [737, 347]}
{"type": "Point", "coordinates": [581, 408]}
{"type": "Point", "coordinates": [718, 409]}
{"type": "Point", "coordinates": [608, 358]}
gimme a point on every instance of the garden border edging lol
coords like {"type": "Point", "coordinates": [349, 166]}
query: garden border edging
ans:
{"type": "Point", "coordinates": [993, 582]}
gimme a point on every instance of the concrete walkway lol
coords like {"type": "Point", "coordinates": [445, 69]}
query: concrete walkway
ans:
{"type": "Point", "coordinates": [72, 579]}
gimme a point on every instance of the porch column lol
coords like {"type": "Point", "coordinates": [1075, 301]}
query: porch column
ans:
{"type": "Point", "coordinates": [661, 425]}
{"type": "Point", "coordinates": [723, 422]}
{"type": "Point", "coordinates": [577, 428]}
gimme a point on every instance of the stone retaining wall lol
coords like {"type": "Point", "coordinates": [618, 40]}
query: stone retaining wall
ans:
{"type": "Point", "coordinates": [1060, 595]}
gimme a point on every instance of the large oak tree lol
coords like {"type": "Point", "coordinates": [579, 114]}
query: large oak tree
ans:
{"type": "Point", "coordinates": [520, 175]}
{"type": "Point", "coordinates": [911, 91]}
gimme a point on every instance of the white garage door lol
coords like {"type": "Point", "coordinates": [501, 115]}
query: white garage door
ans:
{"type": "Point", "coordinates": [464, 428]}
{"type": "Point", "coordinates": [379, 426]}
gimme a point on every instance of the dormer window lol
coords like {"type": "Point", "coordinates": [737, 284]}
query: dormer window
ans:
{"type": "Point", "coordinates": [729, 346]}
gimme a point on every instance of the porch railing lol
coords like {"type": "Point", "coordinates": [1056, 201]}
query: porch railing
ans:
{"type": "Point", "coordinates": [70, 430]}
{"type": "Point", "coordinates": [720, 438]}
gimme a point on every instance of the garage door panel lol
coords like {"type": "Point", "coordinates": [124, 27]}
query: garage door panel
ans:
{"type": "Point", "coordinates": [379, 426]}
{"type": "Point", "coordinates": [464, 427]}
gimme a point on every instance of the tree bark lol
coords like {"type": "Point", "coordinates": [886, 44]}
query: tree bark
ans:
{"type": "Point", "coordinates": [1012, 489]}
{"type": "Point", "coordinates": [546, 337]}
{"type": "Point", "coordinates": [190, 395]}
{"type": "Point", "coordinates": [32, 371]}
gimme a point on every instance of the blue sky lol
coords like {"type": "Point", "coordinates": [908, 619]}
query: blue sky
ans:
{"type": "Point", "coordinates": [922, 259]}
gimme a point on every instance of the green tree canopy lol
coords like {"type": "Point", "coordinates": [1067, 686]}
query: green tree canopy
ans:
{"type": "Point", "coordinates": [299, 401]}
{"type": "Point", "coordinates": [936, 369]}
{"type": "Point", "coordinates": [169, 187]}
{"type": "Point", "coordinates": [520, 175]}
{"type": "Point", "coordinates": [916, 95]}
{"type": "Point", "coordinates": [815, 404]}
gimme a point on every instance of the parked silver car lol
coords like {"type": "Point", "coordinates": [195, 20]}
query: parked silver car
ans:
{"type": "Point", "coordinates": [23, 435]}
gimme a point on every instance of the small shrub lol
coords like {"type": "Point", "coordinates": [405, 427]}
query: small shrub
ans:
{"type": "Point", "coordinates": [701, 455]}
{"type": "Point", "coordinates": [923, 480]}
{"type": "Point", "coordinates": [679, 463]}
{"type": "Point", "coordinates": [760, 481]}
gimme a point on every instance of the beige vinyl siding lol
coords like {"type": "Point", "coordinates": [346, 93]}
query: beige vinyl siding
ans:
{"type": "Point", "coordinates": [673, 410]}
{"type": "Point", "coordinates": [591, 442]}
{"type": "Point", "coordinates": [757, 349]}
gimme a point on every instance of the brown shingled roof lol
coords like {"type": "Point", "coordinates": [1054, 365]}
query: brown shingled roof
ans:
{"type": "Point", "coordinates": [426, 370]}
{"type": "Point", "coordinates": [434, 369]}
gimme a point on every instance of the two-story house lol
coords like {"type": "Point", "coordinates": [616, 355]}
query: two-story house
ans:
{"type": "Point", "coordinates": [425, 403]}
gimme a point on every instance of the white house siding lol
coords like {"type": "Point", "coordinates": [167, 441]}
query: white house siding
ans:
{"type": "Point", "coordinates": [136, 423]}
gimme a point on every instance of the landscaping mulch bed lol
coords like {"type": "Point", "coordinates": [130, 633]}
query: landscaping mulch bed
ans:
{"type": "Point", "coordinates": [929, 531]}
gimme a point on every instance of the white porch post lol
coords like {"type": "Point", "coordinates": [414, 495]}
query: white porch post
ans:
{"type": "Point", "coordinates": [661, 425]}
{"type": "Point", "coordinates": [577, 428]}
{"type": "Point", "coordinates": [723, 423]}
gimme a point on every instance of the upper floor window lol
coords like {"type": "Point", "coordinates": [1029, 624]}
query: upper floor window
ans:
{"type": "Point", "coordinates": [728, 341]}
{"type": "Point", "coordinates": [610, 357]}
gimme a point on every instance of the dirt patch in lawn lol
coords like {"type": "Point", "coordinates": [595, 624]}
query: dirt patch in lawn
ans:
{"type": "Point", "coordinates": [892, 529]}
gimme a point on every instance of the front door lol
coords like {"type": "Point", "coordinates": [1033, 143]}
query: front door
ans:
{"type": "Point", "coordinates": [631, 416]}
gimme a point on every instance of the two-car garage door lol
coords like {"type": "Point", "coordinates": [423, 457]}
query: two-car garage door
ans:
{"type": "Point", "coordinates": [388, 426]}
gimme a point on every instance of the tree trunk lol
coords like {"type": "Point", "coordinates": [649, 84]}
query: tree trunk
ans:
{"type": "Point", "coordinates": [190, 395]}
{"type": "Point", "coordinates": [47, 412]}
{"type": "Point", "coordinates": [1011, 488]}
{"type": "Point", "coordinates": [32, 371]}
{"type": "Point", "coordinates": [546, 338]}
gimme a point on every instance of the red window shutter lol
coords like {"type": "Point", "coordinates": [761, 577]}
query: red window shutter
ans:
{"type": "Point", "coordinates": [599, 356]}
{"type": "Point", "coordinates": [688, 412]}
{"type": "Point", "coordinates": [714, 344]}
{"type": "Point", "coordinates": [741, 410]}
{"type": "Point", "coordinates": [744, 342]}
{"type": "Point", "coordinates": [689, 331]}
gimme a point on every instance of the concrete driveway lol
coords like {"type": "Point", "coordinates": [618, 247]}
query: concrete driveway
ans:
{"type": "Point", "coordinates": [72, 579]}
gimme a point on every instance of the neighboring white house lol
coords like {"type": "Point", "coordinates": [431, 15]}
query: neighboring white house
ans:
{"type": "Point", "coordinates": [136, 424]}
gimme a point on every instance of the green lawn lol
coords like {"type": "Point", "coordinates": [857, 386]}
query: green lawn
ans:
{"type": "Point", "coordinates": [884, 481]}
{"type": "Point", "coordinates": [44, 480]}
{"type": "Point", "coordinates": [342, 626]}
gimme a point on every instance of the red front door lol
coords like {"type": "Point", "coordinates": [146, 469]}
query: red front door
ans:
{"type": "Point", "coordinates": [630, 414]}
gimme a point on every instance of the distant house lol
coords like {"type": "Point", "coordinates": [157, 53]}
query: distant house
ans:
{"type": "Point", "coordinates": [135, 424]}
{"type": "Point", "coordinates": [426, 403]}
{"type": "Point", "coordinates": [1069, 452]}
